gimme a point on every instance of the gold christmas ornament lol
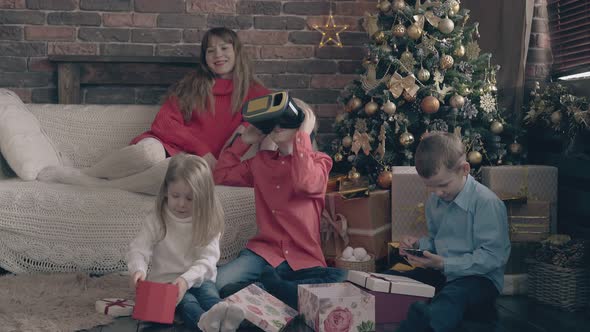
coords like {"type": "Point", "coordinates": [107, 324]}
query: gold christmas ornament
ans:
{"type": "Point", "coordinates": [446, 61]}
{"type": "Point", "coordinates": [338, 157]}
{"type": "Point", "coordinates": [354, 103]}
{"type": "Point", "coordinates": [353, 174]}
{"type": "Point", "coordinates": [384, 6]}
{"type": "Point", "coordinates": [430, 105]}
{"type": "Point", "coordinates": [384, 179]}
{"type": "Point", "coordinates": [330, 32]}
{"type": "Point", "coordinates": [457, 101]}
{"type": "Point", "coordinates": [497, 127]}
{"type": "Point", "coordinates": [459, 51]}
{"type": "Point", "coordinates": [385, 48]}
{"type": "Point", "coordinates": [423, 75]}
{"type": "Point", "coordinates": [371, 107]}
{"type": "Point", "coordinates": [340, 117]}
{"type": "Point", "coordinates": [389, 107]}
{"type": "Point", "coordinates": [556, 117]}
{"type": "Point", "coordinates": [455, 6]}
{"type": "Point", "coordinates": [515, 148]}
{"type": "Point", "coordinates": [398, 5]}
{"type": "Point", "coordinates": [408, 97]}
{"type": "Point", "coordinates": [406, 139]}
{"type": "Point", "coordinates": [474, 158]}
{"type": "Point", "coordinates": [347, 141]}
{"type": "Point", "coordinates": [414, 31]}
{"type": "Point", "coordinates": [399, 30]}
{"type": "Point", "coordinates": [446, 25]}
{"type": "Point", "coordinates": [379, 37]}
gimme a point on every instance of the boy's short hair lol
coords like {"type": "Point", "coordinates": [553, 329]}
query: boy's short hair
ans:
{"type": "Point", "coordinates": [438, 149]}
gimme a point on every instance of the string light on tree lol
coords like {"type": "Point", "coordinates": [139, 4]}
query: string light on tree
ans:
{"type": "Point", "coordinates": [330, 31]}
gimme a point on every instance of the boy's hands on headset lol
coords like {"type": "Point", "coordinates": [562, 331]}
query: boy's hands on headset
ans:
{"type": "Point", "coordinates": [308, 124]}
{"type": "Point", "coordinates": [252, 135]}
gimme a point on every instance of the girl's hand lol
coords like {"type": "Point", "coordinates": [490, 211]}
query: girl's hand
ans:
{"type": "Point", "coordinates": [238, 131]}
{"type": "Point", "coordinates": [252, 135]}
{"type": "Point", "coordinates": [406, 241]}
{"type": "Point", "coordinates": [429, 260]}
{"type": "Point", "coordinates": [135, 277]}
{"type": "Point", "coordinates": [211, 161]}
{"type": "Point", "coordinates": [308, 124]}
{"type": "Point", "coordinates": [182, 288]}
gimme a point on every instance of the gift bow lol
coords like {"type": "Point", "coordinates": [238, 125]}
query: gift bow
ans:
{"type": "Point", "coordinates": [419, 21]}
{"type": "Point", "coordinates": [361, 141]}
{"type": "Point", "coordinates": [420, 210]}
{"type": "Point", "coordinates": [333, 223]}
{"type": "Point", "coordinates": [119, 303]}
{"type": "Point", "coordinates": [432, 19]}
{"type": "Point", "coordinates": [398, 84]}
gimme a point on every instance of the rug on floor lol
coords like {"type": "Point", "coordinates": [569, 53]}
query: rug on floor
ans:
{"type": "Point", "coordinates": [57, 302]}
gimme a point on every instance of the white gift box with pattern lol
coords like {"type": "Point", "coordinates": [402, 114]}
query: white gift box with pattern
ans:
{"type": "Point", "coordinates": [408, 195]}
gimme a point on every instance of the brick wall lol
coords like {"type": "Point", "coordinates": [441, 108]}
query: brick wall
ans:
{"type": "Point", "coordinates": [540, 58]}
{"type": "Point", "coordinates": [278, 35]}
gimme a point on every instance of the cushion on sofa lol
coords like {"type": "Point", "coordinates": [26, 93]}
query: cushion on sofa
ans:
{"type": "Point", "coordinates": [23, 143]}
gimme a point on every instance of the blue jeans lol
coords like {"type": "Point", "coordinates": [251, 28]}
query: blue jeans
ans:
{"type": "Point", "coordinates": [451, 303]}
{"type": "Point", "coordinates": [196, 301]}
{"type": "Point", "coordinates": [281, 281]}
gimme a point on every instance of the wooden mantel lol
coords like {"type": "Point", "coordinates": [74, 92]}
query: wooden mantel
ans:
{"type": "Point", "coordinates": [74, 70]}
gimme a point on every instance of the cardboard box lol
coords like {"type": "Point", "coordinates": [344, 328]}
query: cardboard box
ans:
{"type": "Point", "coordinates": [393, 294]}
{"type": "Point", "coordinates": [337, 307]}
{"type": "Point", "coordinates": [529, 222]}
{"type": "Point", "coordinates": [408, 196]}
{"type": "Point", "coordinates": [368, 222]}
{"type": "Point", "coordinates": [262, 309]}
{"type": "Point", "coordinates": [155, 302]}
{"type": "Point", "coordinates": [537, 183]}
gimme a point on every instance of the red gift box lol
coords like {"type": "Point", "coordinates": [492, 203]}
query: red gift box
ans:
{"type": "Point", "coordinates": [155, 302]}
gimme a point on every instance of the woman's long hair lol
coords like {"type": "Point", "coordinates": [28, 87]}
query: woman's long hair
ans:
{"type": "Point", "coordinates": [208, 217]}
{"type": "Point", "coordinates": [194, 91]}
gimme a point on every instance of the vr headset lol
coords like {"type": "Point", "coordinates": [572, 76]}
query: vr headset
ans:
{"type": "Point", "coordinates": [278, 108]}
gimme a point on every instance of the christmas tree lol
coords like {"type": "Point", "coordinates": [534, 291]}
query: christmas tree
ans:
{"type": "Point", "coordinates": [423, 73]}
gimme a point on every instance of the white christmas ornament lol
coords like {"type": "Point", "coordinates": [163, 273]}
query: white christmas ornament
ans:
{"type": "Point", "coordinates": [347, 253]}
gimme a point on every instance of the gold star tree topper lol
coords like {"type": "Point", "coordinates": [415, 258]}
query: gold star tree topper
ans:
{"type": "Point", "coordinates": [330, 32]}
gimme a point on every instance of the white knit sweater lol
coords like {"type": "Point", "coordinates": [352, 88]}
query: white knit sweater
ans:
{"type": "Point", "coordinates": [171, 257]}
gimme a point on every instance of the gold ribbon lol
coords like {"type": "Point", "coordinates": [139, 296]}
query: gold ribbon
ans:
{"type": "Point", "coordinates": [397, 85]}
{"type": "Point", "coordinates": [432, 19]}
{"type": "Point", "coordinates": [333, 224]}
{"type": "Point", "coordinates": [361, 141]}
{"type": "Point", "coordinates": [419, 21]}
{"type": "Point", "coordinates": [420, 210]}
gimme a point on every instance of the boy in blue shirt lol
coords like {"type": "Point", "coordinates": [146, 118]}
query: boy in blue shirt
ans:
{"type": "Point", "coordinates": [467, 238]}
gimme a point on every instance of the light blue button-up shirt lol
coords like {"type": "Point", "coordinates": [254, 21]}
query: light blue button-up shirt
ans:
{"type": "Point", "coordinates": [470, 232]}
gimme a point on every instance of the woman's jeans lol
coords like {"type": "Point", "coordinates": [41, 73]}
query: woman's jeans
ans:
{"type": "Point", "coordinates": [281, 281]}
{"type": "Point", "coordinates": [196, 301]}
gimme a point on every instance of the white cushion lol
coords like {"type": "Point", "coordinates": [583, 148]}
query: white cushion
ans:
{"type": "Point", "coordinates": [23, 143]}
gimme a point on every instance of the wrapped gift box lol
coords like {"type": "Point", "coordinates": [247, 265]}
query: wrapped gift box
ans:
{"type": "Point", "coordinates": [393, 294]}
{"type": "Point", "coordinates": [408, 195]}
{"type": "Point", "coordinates": [367, 222]}
{"type": "Point", "coordinates": [262, 309]}
{"type": "Point", "coordinates": [515, 284]}
{"type": "Point", "coordinates": [337, 307]}
{"type": "Point", "coordinates": [155, 302]}
{"type": "Point", "coordinates": [529, 222]}
{"type": "Point", "coordinates": [537, 183]}
{"type": "Point", "coordinates": [114, 307]}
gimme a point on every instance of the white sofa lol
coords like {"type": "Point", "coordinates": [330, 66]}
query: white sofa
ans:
{"type": "Point", "coordinates": [47, 227]}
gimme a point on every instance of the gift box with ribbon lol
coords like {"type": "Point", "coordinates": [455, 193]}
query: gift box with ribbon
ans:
{"type": "Point", "coordinates": [529, 222]}
{"type": "Point", "coordinates": [537, 183]}
{"type": "Point", "coordinates": [114, 307]}
{"type": "Point", "coordinates": [357, 222]}
{"type": "Point", "coordinates": [155, 302]}
{"type": "Point", "coordinates": [408, 195]}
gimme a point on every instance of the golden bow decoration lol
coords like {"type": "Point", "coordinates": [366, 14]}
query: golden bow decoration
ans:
{"type": "Point", "coordinates": [397, 84]}
{"type": "Point", "coordinates": [419, 21]}
{"type": "Point", "coordinates": [432, 19]}
{"type": "Point", "coordinates": [333, 224]}
{"type": "Point", "coordinates": [420, 211]}
{"type": "Point", "coordinates": [361, 141]}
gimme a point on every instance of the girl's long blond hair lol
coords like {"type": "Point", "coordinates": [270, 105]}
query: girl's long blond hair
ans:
{"type": "Point", "coordinates": [194, 91]}
{"type": "Point", "coordinates": [208, 217]}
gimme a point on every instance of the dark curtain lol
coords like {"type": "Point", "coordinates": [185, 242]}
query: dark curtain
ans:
{"type": "Point", "coordinates": [505, 28]}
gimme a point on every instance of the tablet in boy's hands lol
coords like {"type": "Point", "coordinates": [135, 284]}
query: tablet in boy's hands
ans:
{"type": "Point", "coordinates": [415, 252]}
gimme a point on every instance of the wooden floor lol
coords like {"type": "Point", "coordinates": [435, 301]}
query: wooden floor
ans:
{"type": "Point", "coordinates": [516, 314]}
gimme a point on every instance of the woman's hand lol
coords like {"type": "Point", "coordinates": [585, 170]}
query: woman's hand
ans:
{"type": "Point", "coordinates": [136, 277]}
{"type": "Point", "coordinates": [252, 135]}
{"type": "Point", "coordinates": [182, 288]}
{"type": "Point", "coordinates": [308, 124]}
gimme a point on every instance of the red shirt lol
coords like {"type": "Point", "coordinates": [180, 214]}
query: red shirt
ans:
{"type": "Point", "coordinates": [206, 131]}
{"type": "Point", "coordinates": [289, 194]}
